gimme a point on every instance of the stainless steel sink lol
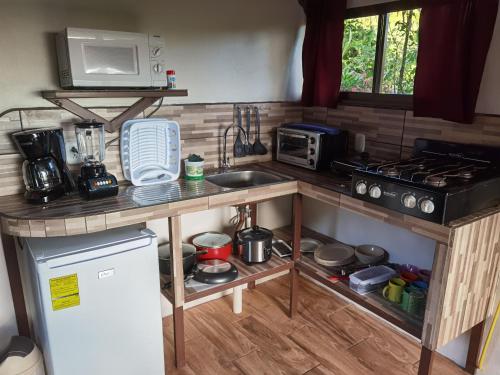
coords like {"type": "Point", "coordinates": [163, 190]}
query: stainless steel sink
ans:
{"type": "Point", "coordinates": [243, 179]}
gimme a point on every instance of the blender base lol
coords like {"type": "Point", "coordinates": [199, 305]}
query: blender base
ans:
{"type": "Point", "coordinates": [98, 187]}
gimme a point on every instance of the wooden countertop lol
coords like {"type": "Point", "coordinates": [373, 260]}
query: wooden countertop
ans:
{"type": "Point", "coordinates": [72, 215]}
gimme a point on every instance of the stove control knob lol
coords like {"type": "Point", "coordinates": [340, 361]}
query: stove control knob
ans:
{"type": "Point", "coordinates": [361, 188]}
{"type": "Point", "coordinates": [375, 191]}
{"type": "Point", "coordinates": [409, 201]}
{"type": "Point", "coordinates": [427, 206]}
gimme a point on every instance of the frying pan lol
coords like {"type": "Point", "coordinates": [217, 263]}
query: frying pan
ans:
{"type": "Point", "coordinates": [189, 256]}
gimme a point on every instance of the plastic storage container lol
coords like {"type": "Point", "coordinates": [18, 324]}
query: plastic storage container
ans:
{"type": "Point", "coordinates": [369, 279]}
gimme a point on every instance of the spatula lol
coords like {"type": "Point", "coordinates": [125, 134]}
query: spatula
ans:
{"type": "Point", "coordinates": [239, 146]}
{"type": "Point", "coordinates": [258, 147]}
{"type": "Point", "coordinates": [248, 114]}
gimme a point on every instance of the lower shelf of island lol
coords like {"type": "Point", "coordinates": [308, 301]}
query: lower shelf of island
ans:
{"type": "Point", "coordinates": [246, 274]}
{"type": "Point", "coordinates": [373, 301]}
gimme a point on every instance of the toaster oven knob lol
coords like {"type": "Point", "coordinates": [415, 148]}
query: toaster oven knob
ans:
{"type": "Point", "coordinates": [158, 68]}
{"type": "Point", "coordinates": [427, 206]}
{"type": "Point", "coordinates": [312, 151]}
{"type": "Point", "coordinates": [312, 140]}
{"type": "Point", "coordinates": [361, 188]}
{"type": "Point", "coordinates": [375, 192]}
{"type": "Point", "coordinates": [409, 201]}
{"type": "Point", "coordinates": [311, 161]}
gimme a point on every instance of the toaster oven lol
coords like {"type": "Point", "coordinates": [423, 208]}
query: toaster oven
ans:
{"type": "Point", "coordinates": [311, 146]}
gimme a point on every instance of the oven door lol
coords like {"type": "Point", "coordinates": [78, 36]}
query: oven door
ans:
{"type": "Point", "coordinates": [108, 58]}
{"type": "Point", "coordinates": [294, 148]}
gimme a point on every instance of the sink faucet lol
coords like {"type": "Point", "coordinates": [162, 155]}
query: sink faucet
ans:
{"type": "Point", "coordinates": [225, 159]}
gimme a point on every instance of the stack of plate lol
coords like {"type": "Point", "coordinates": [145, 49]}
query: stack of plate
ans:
{"type": "Point", "coordinates": [309, 245]}
{"type": "Point", "coordinates": [334, 255]}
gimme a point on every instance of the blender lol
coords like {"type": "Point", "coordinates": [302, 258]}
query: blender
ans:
{"type": "Point", "coordinates": [94, 180]}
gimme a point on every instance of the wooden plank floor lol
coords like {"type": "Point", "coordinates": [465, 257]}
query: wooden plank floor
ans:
{"type": "Point", "coordinates": [329, 336]}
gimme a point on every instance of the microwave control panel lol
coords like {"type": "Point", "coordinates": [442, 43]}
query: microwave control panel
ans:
{"type": "Point", "coordinates": [157, 56]}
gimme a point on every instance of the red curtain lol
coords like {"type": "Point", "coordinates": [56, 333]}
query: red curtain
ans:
{"type": "Point", "coordinates": [322, 52]}
{"type": "Point", "coordinates": [455, 36]}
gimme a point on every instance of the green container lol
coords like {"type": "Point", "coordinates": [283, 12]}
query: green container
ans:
{"type": "Point", "coordinates": [194, 169]}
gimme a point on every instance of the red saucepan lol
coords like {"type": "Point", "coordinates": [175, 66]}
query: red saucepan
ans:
{"type": "Point", "coordinates": [217, 245]}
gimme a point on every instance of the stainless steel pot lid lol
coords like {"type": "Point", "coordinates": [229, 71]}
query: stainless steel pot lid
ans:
{"type": "Point", "coordinates": [255, 233]}
{"type": "Point", "coordinates": [334, 254]}
{"type": "Point", "coordinates": [212, 240]}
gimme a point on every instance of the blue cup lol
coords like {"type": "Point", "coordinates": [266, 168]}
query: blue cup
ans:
{"type": "Point", "coordinates": [421, 285]}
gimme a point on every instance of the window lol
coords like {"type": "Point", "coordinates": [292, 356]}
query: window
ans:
{"type": "Point", "coordinates": [380, 52]}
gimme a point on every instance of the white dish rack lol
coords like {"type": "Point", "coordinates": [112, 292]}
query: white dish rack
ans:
{"type": "Point", "coordinates": [150, 151]}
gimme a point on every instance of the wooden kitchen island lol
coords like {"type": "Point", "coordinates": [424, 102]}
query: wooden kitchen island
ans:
{"type": "Point", "coordinates": [465, 274]}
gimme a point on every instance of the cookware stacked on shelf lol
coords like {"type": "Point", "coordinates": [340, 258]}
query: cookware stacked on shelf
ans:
{"type": "Point", "coordinates": [206, 260]}
{"type": "Point", "coordinates": [213, 268]}
{"type": "Point", "coordinates": [341, 259]}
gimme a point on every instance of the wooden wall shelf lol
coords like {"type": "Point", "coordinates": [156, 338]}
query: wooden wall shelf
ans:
{"type": "Point", "coordinates": [64, 99]}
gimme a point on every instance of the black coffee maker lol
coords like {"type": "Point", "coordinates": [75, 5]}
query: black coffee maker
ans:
{"type": "Point", "coordinates": [45, 173]}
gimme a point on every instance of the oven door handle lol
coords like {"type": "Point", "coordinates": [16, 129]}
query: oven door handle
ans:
{"type": "Point", "coordinates": [294, 135]}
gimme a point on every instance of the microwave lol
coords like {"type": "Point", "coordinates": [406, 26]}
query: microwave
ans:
{"type": "Point", "coordinates": [311, 146]}
{"type": "Point", "coordinates": [113, 59]}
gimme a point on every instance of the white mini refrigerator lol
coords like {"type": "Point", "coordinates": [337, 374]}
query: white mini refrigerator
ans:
{"type": "Point", "coordinates": [94, 301]}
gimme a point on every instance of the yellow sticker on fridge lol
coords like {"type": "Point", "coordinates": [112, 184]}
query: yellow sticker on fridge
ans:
{"type": "Point", "coordinates": [64, 292]}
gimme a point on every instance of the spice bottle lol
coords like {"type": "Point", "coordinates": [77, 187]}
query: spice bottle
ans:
{"type": "Point", "coordinates": [171, 82]}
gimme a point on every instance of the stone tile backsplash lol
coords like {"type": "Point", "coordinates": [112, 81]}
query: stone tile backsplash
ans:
{"type": "Point", "coordinates": [389, 133]}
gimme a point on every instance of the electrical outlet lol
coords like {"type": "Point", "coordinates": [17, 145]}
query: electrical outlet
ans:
{"type": "Point", "coordinates": [72, 157]}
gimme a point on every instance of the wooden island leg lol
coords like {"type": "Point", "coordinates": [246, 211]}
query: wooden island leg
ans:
{"type": "Point", "coordinates": [476, 336]}
{"type": "Point", "coordinates": [426, 360]}
{"type": "Point", "coordinates": [16, 287]}
{"type": "Point", "coordinates": [297, 234]}
{"type": "Point", "coordinates": [175, 233]}
{"type": "Point", "coordinates": [253, 221]}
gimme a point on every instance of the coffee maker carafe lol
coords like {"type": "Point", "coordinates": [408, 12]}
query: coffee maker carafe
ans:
{"type": "Point", "coordinates": [45, 173]}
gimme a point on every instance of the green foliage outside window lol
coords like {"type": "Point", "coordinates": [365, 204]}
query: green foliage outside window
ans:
{"type": "Point", "coordinates": [358, 54]}
{"type": "Point", "coordinates": [400, 58]}
{"type": "Point", "coordinates": [400, 53]}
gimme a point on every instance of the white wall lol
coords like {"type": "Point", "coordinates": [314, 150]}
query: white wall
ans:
{"type": "Point", "coordinates": [222, 51]}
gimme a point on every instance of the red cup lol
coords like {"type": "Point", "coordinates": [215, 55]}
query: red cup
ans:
{"type": "Point", "coordinates": [408, 276]}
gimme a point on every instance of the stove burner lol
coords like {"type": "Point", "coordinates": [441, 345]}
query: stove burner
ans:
{"type": "Point", "coordinates": [466, 175]}
{"type": "Point", "coordinates": [391, 172]}
{"type": "Point", "coordinates": [436, 181]}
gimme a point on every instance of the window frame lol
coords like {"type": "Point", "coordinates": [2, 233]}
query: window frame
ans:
{"type": "Point", "coordinates": [375, 98]}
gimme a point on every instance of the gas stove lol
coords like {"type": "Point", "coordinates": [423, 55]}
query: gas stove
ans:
{"type": "Point", "coordinates": [441, 182]}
